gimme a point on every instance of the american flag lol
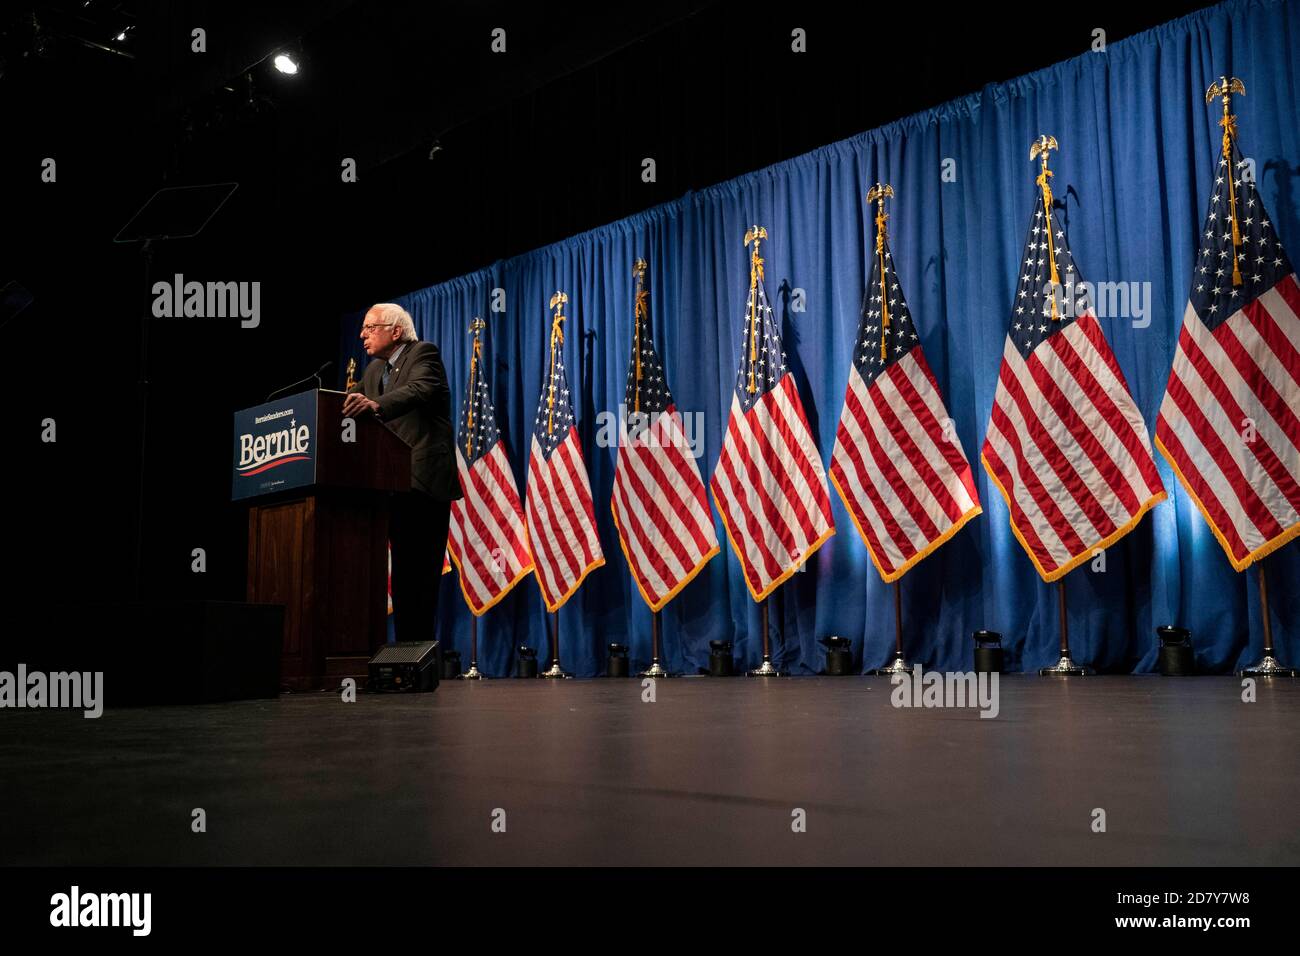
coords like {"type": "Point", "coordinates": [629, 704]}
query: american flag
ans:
{"type": "Point", "coordinates": [769, 485]}
{"type": "Point", "coordinates": [1228, 423]}
{"type": "Point", "coordinates": [486, 539]}
{"type": "Point", "coordinates": [1066, 444]}
{"type": "Point", "coordinates": [660, 508]}
{"type": "Point", "coordinates": [898, 463]}
{"type": "Point", "coordinates": [561, 518]}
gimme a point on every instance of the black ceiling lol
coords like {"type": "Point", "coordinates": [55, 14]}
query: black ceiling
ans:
{"type": "Point", "coordinates": [536, 144]}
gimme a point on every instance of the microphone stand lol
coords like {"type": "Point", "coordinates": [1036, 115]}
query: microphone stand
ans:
{"type": "Point", "coordinates": [314, 375]}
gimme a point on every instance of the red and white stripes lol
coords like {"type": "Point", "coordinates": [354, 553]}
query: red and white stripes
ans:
{"type": "Point", "coordinates": [770, 488]}
{"type": "Point", "coordinates": [899, 466]}
{"type": "Point", "coordinates": [661, 511]}
{"type": "Point", "coordinates": [1230, 422]}
{"type": "Point", "coordinates": [487, 539]}
{"type": "Point", "coordinates": [1068, 449]}
{"type": "Point", "coordinates": [561, 520]}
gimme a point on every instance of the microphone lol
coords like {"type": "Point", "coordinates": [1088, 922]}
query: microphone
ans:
{"type": "Point", "coordinates": [314, 375]}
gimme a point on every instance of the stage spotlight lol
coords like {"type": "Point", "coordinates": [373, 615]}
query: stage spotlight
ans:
{"type": "Point", "coordinates": [839, 656]}
{"type": "Point", "coordinates": [616, 665]}
{"type": "Point", "coordinates": [1176, 656]}
{"type": "Point", "coordinates": [988, 652]}
{"type": "Point", "coordinates": [526, 662]}
{"type": "Point", "coordinates": [450, 664]}
{"type": "Point", "coordinates": [721, 663]}
{"type": "Point", "coordinates": [285, 64]}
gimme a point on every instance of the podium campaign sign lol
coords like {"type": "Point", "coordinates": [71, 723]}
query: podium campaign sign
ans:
{"type": "Point", "coordinates": [275, 446]}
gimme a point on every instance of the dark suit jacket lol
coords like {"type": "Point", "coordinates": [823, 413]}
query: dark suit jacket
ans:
{"type": "Point", "coordinates": [417, 406]}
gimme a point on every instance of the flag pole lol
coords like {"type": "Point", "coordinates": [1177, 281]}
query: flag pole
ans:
{"type": "Point", "coordinates": [473, 673]}
{"type": "Point", "coordinates": [1065, 667]}
{"type": "Point", "coordinates": [476, 351]}
{"type": "Point", "coordinates": [753, 236]}
{"type": "Point", "coordinates": [557, 338]}
{"type": "Point", "coordinates": [878, 194]}
{"type": "Point", "coordinates": [555, 670]}
{"type": "Point", "coordinates": [765, 669]}
{"type": "Point", "coordinates": [1041, 150]}
{"type": "Point", "coordinates": [899, 664]}
{"type": "Point", "coordinates": [640, 314]}
{"type": "Point", "coordinates": [656, 668]}
{"type": "Point", "coordinates": [1225, 88]}
{"type": "Point", "coordinates": [1269, 665]}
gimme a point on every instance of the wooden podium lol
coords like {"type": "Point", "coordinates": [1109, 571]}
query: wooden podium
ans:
{"type": "Point", "coordinates": [318, 488]}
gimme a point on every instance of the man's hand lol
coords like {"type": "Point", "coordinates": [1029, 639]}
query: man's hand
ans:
{"type": "Point", "coordinates": [356, 403]}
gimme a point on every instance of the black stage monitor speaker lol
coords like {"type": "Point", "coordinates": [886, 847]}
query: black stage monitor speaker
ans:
{"type": "Point", "coordinates": [405, 666]}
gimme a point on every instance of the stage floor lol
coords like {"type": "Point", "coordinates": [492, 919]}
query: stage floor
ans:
{"type": "Point", "coordinates": [710, 773]}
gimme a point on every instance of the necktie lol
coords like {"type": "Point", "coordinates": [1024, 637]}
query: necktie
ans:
{"type": "Point", "coordinates": [383, 382]}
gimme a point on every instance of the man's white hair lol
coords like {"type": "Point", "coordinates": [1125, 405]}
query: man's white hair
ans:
{"type": "Point", "coordinates": [390, 313]}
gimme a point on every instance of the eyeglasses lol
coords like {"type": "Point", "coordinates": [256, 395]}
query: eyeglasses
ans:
{"type": "Point", "coordinates": [370, 327]}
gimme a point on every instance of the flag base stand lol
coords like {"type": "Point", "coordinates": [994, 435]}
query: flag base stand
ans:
{"type": "Point", "coordinates": [1269, 666]}
{"type": "Point", "coordinates": [555, 671]}
{"type": "Point", "coordinates": [473, 673]}
{"type": "Point", "coordinates": [765, 669]}
{"type": "Point", "coordinates": [898, 665]}
{"type": "Point", "coordinates": [657, 670]}
{"type": "Point", "coordinates": [1065, 667]}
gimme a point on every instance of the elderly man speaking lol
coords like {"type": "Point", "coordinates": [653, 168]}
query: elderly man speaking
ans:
{"type": "Point", "coordinates": [406, 386]}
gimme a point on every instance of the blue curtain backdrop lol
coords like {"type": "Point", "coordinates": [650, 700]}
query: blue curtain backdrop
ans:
{"type": "Point", "coordinates": [1138, 153]}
